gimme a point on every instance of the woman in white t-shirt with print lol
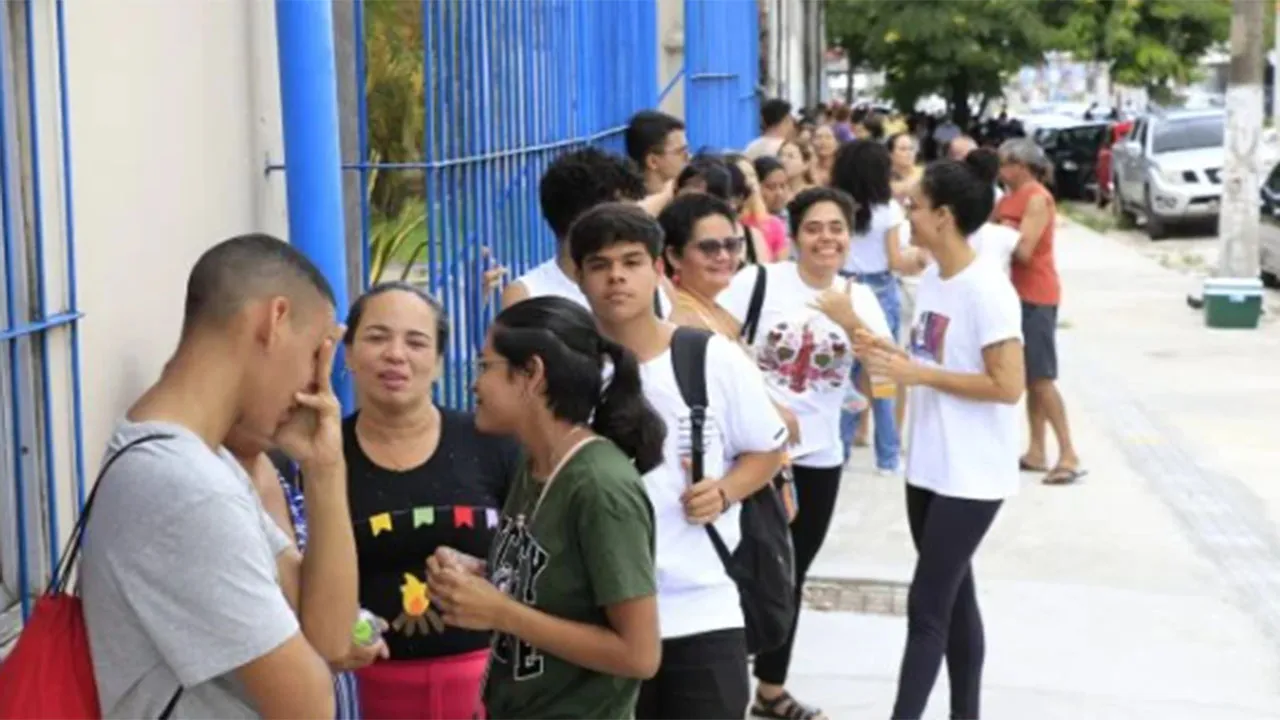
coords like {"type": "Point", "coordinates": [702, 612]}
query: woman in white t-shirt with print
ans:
{"type": "Point", "coordinates": [802, 341]}
{"type": "Point", "coordinates": [964, 365]}
{"type": "Point", "coordinates": [863, 169]}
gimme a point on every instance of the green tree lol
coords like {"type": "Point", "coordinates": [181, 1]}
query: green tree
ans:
{"type": "Point", "coordinates": [394, 82]}
{"type": "Point", "coordinates": [961, 49]}
{"type": "Point", "coordinates": [1145, 43]}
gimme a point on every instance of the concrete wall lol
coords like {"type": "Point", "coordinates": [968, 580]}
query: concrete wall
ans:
{"type": "Point", "coordinates": [173, 110]}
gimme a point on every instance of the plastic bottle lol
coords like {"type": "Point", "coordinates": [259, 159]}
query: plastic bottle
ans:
{"type": "Point", "coordinates": [366, 631]}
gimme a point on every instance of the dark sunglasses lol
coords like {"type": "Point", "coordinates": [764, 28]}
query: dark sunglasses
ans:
{"type": "Point", "coordinates": [711, 246]}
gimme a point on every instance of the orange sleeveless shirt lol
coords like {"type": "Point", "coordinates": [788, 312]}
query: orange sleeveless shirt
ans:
{"type": "Point", "coordinates": [1036, 279]}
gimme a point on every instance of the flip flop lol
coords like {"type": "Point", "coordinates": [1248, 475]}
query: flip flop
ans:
{"type": "Point", "coordinates": [1024, 466]}
{"type": "Point", "coordinates": [1064, 476]}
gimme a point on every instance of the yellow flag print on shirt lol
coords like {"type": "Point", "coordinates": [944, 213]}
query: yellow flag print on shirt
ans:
{"type": "Point", "coordinates": [416, 616]}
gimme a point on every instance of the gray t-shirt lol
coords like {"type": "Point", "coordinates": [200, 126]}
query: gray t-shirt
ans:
{"type": "Point", "coordinates": [178, 577]}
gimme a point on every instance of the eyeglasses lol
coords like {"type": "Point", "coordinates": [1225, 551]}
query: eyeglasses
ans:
{"type": "Point", "coordinates": [482, 365]}
{"type": "Point", "coordinates": [711, 247]}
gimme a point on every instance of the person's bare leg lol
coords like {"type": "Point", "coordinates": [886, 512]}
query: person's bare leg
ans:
{"type": "Point", "coordinates": [1035, 456]}
{"type": "Point", "coordinates": [1054, 411]}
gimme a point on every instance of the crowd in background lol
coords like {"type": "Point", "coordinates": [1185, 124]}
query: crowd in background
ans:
{"type": "Point", "coordinates": [664, 414]}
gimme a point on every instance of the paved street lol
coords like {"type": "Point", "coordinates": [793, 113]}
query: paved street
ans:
{"type": "Point", "coordinates": [1150, 590]}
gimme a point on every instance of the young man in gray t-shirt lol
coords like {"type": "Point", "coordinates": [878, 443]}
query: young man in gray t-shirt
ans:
{"type": "Point", "coordinates": [186, 581]}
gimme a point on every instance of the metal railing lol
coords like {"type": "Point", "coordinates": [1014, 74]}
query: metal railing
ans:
{"type": "Point", "coordinates": [38, 306]}
{"type": "Point", "coordinates": [507, 85]}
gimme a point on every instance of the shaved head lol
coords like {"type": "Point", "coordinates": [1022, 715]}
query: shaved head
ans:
{"type": "Point", "coordinates": [245, 268]}
{"type": "Point", "coordinates": [960, 148]}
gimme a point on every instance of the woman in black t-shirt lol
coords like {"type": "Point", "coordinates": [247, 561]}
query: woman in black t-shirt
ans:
{"type": "Point", "coordinates": [421, 477]}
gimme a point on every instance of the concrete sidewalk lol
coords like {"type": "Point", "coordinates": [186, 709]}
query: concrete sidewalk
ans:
{"type": "Point", "coordinates": [1152, 589]}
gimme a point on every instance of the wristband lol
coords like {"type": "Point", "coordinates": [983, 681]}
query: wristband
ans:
{"type": "Point", "coordinates": [724, 501]}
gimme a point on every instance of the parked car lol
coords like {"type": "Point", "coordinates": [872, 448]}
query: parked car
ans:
{"type": "Point", "coordinates": [1269, 236]}
{"type": "Point", "coordinates": [1073, 149]}
{"type": "Point", "coordinates": [1169, 169]}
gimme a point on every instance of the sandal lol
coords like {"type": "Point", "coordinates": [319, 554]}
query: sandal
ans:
{"type": "Point", "coordinates": [784, 707]}
{"type": "Point", "coordinates": [1024, 466]}
{"type": "Point", "coordinates": [1064, 476]}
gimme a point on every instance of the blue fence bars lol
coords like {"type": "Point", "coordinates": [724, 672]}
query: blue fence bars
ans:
{"type": "Point", "coordinates": [722, 68]}
{"type": "Point", "coordinates": [464, 103]}
{"type": "Point", "coordinates": [37, 308]}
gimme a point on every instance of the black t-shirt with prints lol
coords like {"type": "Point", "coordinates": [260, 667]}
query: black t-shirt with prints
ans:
{"type": "Point", "coordinates": [402, 517]}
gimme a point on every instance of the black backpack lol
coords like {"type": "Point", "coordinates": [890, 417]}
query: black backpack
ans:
{"type": "Point", "coordinates": [763, 565]}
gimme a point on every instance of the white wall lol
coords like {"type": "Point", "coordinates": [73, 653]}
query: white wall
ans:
{"type": "Point", "coordinates": [168, 153]}
{"type": "Point", "coordinates": [671, 54]}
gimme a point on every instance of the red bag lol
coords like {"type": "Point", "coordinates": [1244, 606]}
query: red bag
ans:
{"type": "Point", "coordinates": [49, 673]}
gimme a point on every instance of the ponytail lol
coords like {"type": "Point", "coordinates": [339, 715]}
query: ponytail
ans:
{"type": "Point", "coordinates": [624, 416]}
{"type": "Point", "coordinates": [985, 166]}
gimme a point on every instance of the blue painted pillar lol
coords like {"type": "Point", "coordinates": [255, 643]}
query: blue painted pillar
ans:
{"type": "Point", "coordinates": [312, 150]}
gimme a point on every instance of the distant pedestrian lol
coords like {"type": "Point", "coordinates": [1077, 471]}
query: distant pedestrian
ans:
{"type": "Point", "coordinates": [657, 144]}
{"type": "Point", "coordinates": [777, 126]}
{"type": "Point", "coordinates": [1029, 207]}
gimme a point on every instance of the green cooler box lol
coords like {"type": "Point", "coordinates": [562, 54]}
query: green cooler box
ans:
{"type": "Point", "coordinates": [1232, 302]}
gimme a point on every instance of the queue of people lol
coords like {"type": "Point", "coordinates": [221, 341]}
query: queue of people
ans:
{"type": "Point", "coordinates": [575, 546]}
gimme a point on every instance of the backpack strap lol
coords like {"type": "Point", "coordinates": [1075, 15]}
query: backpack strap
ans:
{"type": "Point", "coordinates": [752, 257]}
{"type": "Point", "coordinates": [751, 323]}
{"type": "Point", "coordinates": [171, 705]}
{"type": "Point", "coordinates": [689, 361]}
{"type": "Point", "coordinates": [71, 554]}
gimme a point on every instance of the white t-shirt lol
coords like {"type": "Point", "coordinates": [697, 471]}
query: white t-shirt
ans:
{"type": "Point", "coordinates": [963, 448]}
{"type": "Point", "coordinates": [765, 145]}
{"type": "Point", "coordinates": [549, 279]}
{"type": "Point", "coordinates": [995, 243]}
{"type": "Point", "coordinates": [695, 595]}
{"type": "Point", "coordinates": [867, 251]}
{"type": "Point", "coordinates": [805, 358]}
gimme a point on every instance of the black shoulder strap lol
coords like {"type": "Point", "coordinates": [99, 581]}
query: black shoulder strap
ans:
{"type": "Point", "coordinates": [172, 705]}
{"type": "Point", "coordinates": [689, 361]}
{"type": "Point", "coordinates": [752, 257]}
{"type": "Point", "coordinates": [750, 324]}
{"type": "Point", "coordinates": [71, 554]}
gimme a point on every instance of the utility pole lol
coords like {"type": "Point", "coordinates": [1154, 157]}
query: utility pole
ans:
{"type": "Point", "coordinates": [1234, 297]}
{"type": "Point", "coordinates": [1275, 71]}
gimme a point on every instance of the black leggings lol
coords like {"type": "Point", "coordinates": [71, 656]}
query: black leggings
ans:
{"type": "Point", "coordinates": [942, 607]}
{"type": "Point", "coordinates": [816, 490]}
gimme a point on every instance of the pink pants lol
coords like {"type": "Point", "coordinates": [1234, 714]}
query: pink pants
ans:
{"type": "Point", "coordinates": [446, 688]}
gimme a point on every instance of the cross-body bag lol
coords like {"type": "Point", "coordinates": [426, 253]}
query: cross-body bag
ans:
{"type": "Point", "coordinates": [763, 564]}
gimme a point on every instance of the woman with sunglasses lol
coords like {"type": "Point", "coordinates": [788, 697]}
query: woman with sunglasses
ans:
{"type": "Point", "coordinates": [701, 251]}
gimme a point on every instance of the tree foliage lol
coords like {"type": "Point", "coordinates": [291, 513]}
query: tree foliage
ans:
{"type": "Point", "coordinates": [1144, 42]}
{"type": "Point", "coordinates": [968, 48]}
{"type": "Point", "coordinates": [958, 48]}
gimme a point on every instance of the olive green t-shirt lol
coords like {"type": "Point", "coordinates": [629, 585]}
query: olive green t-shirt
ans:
{"type": "Point", "coordinates": [590, 545]}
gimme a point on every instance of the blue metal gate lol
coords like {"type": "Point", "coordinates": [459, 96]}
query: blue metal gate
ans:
{"type": "Point", "coordinates": [722, 46]}
{"type": "Point", "coordinates": [464, 103]}
{"type": "Point", "coordinates": [506, 86]}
